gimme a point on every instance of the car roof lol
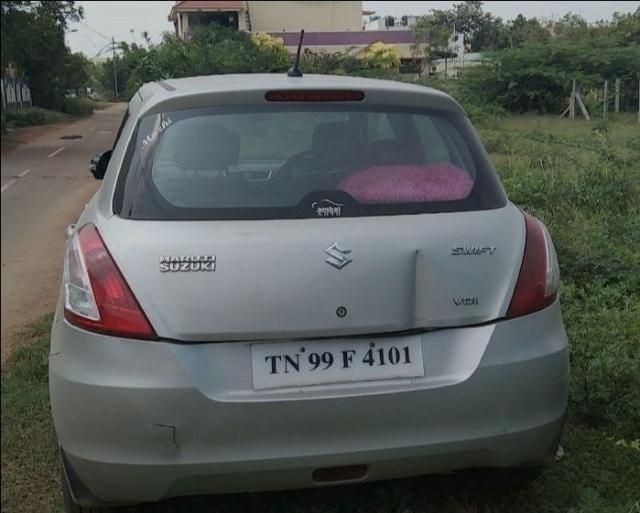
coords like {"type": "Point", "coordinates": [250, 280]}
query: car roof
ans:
{"type": "Point", "coordinates": [174, 94]}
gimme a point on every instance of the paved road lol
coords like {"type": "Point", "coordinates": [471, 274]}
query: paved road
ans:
{"type": "Point", "coordinates": [45, 185]}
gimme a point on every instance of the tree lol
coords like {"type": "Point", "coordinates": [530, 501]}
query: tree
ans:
{"type": "Point", "coordinates": [482, 30]}
{"type": "Point", "coordinates": [212, 50]}
{"type": "Point", "coordinates": [128, 60]}
{"type": "Point", "coordinates": [76, 73]}
{"type": "Point", "coordinates": [571, 26]}
{"type": "Point", "coordinates": [536, 76]}
{"type": "Point", "coordinates": [522, 29]}
{"type": "Point", "coordinates": [430, 38]}
{"type": "Point", "coordinates": [33, 41]}
{"type": "Point", "coordinates": [624, 29]}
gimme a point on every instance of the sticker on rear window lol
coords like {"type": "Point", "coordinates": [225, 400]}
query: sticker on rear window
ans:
{"type": "Point", "coordinates": [164, 124]}
{"type": "Point", "coordinates": [327, 208]}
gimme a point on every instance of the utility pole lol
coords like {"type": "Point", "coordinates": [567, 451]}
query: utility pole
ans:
{"type": "Point", "coordinates": [115, 72]}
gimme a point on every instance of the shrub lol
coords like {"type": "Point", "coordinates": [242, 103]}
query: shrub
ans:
{"type": "Point", "coordinates": [270, 53]}
{"type": "Point", "coordinates": [78, 106]}
{"type": "Point", "coordinates": [536, 77]}
{"type": "Point", "coordinates": [338, 63]}
{"type": "Point", "coordinates": [32, 116]}
{"type": "Point", "coordinates": [267, 42]}
{"type": "Point", "coordinates": [602, 323]}
{"type": "Point", "coordinates": [382, 56]}
{"type": "Point", "coordinates": [579, 180]}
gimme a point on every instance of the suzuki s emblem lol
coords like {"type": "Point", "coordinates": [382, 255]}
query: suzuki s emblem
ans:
{"type": "Point", "coordinates": [337, 256]}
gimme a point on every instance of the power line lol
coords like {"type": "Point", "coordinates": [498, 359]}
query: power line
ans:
{"type": "Point", "coordinates": [102, 50]}
{"type": "Point", "coordinates": [96, 31]}
{"type": "Point", "coordinates": [90, 41]}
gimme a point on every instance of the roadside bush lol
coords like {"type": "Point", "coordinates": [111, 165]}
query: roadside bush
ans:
{"type": "Point", "coordinates": [536, 77]}
{"type": "Point", "coordinates": [32, 116]}
{"type": "Point", "coordinates": [78, 106]}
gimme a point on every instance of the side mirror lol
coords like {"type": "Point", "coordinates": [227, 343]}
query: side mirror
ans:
{"type": "Point", "coordinates": [99, 163]}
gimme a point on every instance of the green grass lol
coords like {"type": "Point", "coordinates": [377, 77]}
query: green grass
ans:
{"type": "Point", "coordinates": [29, 471]}
{"type": "Point", "coordinates": [583, 180]}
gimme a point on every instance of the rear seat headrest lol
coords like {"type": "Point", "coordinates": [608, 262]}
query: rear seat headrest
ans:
{"type": "Point", "coordinates": [200, 144]}
{"type": "Point", "coordinates": [337, 143]}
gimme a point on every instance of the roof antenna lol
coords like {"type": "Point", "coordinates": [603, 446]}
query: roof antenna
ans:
{"type": "Point", "coordinates": [295, 70]}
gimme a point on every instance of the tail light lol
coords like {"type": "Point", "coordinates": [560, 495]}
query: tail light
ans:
{"type": "Point", "coordinates": [97, 297]}
{"type": "Point", "coordinates": [537, 285]}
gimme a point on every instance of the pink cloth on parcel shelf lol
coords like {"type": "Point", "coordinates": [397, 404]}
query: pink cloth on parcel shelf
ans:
{"type": "Point", "coordinates": [441, 181]}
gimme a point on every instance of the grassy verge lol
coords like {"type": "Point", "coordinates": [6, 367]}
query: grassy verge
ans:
{"type": "Point", "coordinates": [34, 116]}
{"type": "Point", "coordinates": [29, 117]}
{"type": "Point", "coordinates": [29, 471]}
{"type": "Point", "coordinates": [583, 180]}
{"type": "Point", "coordinates": [72, 108]}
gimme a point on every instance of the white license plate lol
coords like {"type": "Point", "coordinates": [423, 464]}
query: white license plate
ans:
{"type": "Point", "coordinates": [293, 364]}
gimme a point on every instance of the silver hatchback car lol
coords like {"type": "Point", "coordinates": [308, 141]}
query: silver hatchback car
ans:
{"type": "Point", "coordinates": [293, 282]}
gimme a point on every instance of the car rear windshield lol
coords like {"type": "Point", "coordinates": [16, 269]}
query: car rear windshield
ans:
{"type": "Point", "coordinates": [312, 161]}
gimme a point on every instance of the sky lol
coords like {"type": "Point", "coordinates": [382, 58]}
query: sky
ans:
{"type": "Point", "coordinates": [126, 20]}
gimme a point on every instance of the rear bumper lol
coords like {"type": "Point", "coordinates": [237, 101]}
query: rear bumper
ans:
{"type": "Point", "coordinates": [142, 421]}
